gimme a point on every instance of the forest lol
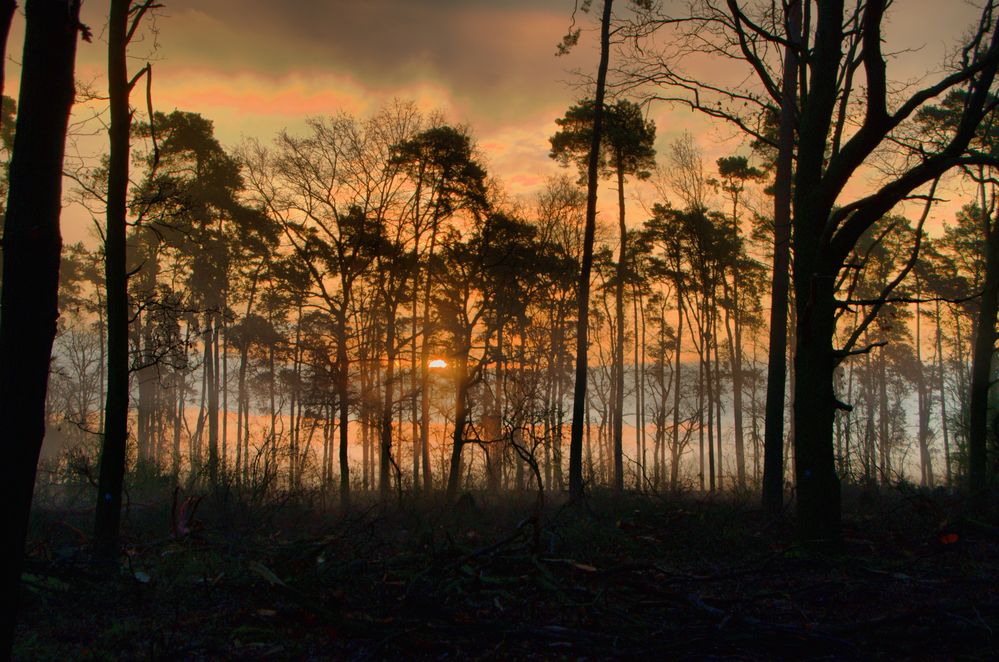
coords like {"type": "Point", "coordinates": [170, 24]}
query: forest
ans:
{"type": "Point", "coordinates": [336, 392]}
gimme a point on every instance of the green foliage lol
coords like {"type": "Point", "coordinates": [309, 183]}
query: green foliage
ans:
{"type": "Point", "coordinates": [938, 124]}
{"type": "Point", "coordinates": [626, 144]}
{"type": "Point", "coordinates": [735, 172]}
{"type": "Point", "coordinates": [442, 157]}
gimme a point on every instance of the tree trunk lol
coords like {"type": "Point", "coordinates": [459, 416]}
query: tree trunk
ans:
{"type": "Point", "coordinates": [617, 408]}
{"type": "Point", "coordinates": [700, 415]}
{"type": "Point", "coordinates": [818, 486]}
{"type": "Point", "coordinates": [814, 403]}
{"type": "Point", "coordinates": [674, 470]}
{"type": "Point", "coordinates": [31, 248]}
{"type": "Point", "coordinates": [735, 361]}
{"type": "Point", "coordinates": [707, 313]}
{"type": "Point", "coordinates": [583, 296]}
{"type": "Point", "coordinates": [224, 382]}
{"type": "Point", "coordinates": [271, 448]}
{"type": "Point", "coordinates": [560, 366]}
{"type": "Point", "coordinates": [639, 373]}
{"type": "Point", "coordinates": [114, 446]}
{"type": "Point", "coordinates": [884, 420]}
{"type": "Point", "coordinates": [211, 383]}
{"type": "Point", "coordinates": [343, 404]}
{"type": "Point", "coordinates": [460, 420]}
{"type": "Point", "coordinates": [981, 367]}
{"type": "Point", "coordinates": [942, 386]}
{"type": "Point", "coordinates": [180, 386]}
{"type": "Point", "coordinates": [385, 456]}
{"type": "Point", "coordinates": [242, 395]}
{"type": "Point", "coordinates": [718, 395]}
{"type": "Point", "coordinates": [924, 395]}
{"type": "Point", "coordinates": [773, 430]}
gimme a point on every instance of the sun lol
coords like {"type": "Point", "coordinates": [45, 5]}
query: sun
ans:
{"type": "Point", "coordinates": [437, 363]}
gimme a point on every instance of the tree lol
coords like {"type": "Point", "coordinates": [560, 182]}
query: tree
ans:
{"type": "Point", "coordinates": [773, 426]}
{"type": "Point", "coordinates": [825, 228]}
{"type": "Point", "coordinates": [559, 220]}
{"type": "Point", "coordinates": [735, 172]}
{"type": "Point", "coordinates": [31, 247]}
{"type": "Point", "coordinates": [626, 149]}
{"type": "Point", "coordinates": [332, 193]}
{"type": "Point", "coordinates": [461, 311]}
{"type": "Point", "coordinates": [189, 202]}
{"type": "Point", "coordinates": [123, 22]}
{"type": "Point", "coordinates": [939, 122]}
{"type": "Point", "coordinates": [583, 295]}
{"type": "Point", "coordinates": [447, 178]}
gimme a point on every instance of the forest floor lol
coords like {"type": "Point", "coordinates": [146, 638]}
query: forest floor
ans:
{"type": "Point", "coordinates": [633, 577]}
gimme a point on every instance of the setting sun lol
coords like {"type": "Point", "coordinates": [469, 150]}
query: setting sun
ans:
{"type": "Point", "coordinates": [437, 363]}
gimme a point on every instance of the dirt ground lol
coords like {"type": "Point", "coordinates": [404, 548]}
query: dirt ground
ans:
{"type": "Point", "coordinates": [637, 577]}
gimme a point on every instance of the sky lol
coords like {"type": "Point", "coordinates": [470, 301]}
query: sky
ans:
{"type": "Point", "coordinates": [256, 67]}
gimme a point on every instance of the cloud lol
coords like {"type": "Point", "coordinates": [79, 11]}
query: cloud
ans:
{"type": "Point", "coordinates": [495, 59]}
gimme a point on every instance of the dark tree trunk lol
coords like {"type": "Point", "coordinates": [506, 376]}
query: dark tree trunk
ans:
{"type": "Point", "coordinates": [674, 470]}
{"type": "Point", "coordinates": [814, 274]}
{"type": "Point", "coordinates": [492, 423]}
{"type": "Point", "coordinates": [180, 386]}
{"type": "Point", "coordinates": [718, 395]}
{"type": "Point", "coordinates": [773, 430]}
{"type": "Point", "coordinates": [148, 381]}
{"type": "Point", "coordinates": [583, 297]}
{"type": "Point", "coordinates": [735, 361]}
{"type": "Point", "coordinates": [460, 420]}
{"type": "Point", "coordinates": [428, 479]}
{"type": "Point", "coordinates": [707, 314]}
{"type": "Point", "coordinates": [343, 405]}
{"type": "Point", "coordinates": [818, 487]}
{"type": "Point", "coordinates": [242, 395]}
{"type": "Point", "coordinates": [31, 248]}
{"type": "Point", "coordinates": [942, 387]}
{"type": "Point", "coordinates": [981, 367]}
{"type": "Point", "coordinates": [114, 444]}
{"type": "Point", "coordinates": [884, 429]}
{"type": "Point", "coordinates": [924, 393]}
{"type": "Point", "coordinates": [639, 375]}
{"type": "Point", "coordinates": [617, 408]}
{"type": "Point", "coordinates": [211, 383]}
{"type": "Point", "coordinates": [388, 402]}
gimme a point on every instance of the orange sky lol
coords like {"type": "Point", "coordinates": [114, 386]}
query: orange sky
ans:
{"type": "Point", "coordinates": [258, 66]}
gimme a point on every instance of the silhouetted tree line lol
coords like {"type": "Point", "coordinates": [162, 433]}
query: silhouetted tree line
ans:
{"type": "Point", "coordinates": [359, 307]}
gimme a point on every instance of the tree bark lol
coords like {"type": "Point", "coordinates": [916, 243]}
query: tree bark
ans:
{"type": "Point", "coordinates": [674, 470]}
{"type": "Point", "coordinates": [942, 386]}
{"type": "Point", "coordinates": [981, 367]}
{"type": "Point", "coordinates": [460, 420]}
{"type": "Point", "coordinates": [773, 430]}
{"type": "Point", "coordinates": [617, 408]}
{"type": "Point", "coordinates": [343, 406]}
{"type": "Point", "coordinates": [31, 250]}
{"type": "Point", "coordinates": [924, 393]}
{"type": "Point", "coordinates": [583, 297]}
{"type": "Point", "coordinates": [818, 486]}
{"type": "Point", "coordinates": [211, 383]}
{"type": "Point", "coordinates": [114, 450]}
{"type": "Point", "coordinates": [385, 455]}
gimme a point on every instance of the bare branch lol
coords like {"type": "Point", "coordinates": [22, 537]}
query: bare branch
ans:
{"type": "Point", "coordinates": [890, 287]}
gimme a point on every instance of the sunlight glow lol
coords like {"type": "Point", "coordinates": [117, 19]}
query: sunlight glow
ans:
{"type": "Point", "coordinates": [437, 363]}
